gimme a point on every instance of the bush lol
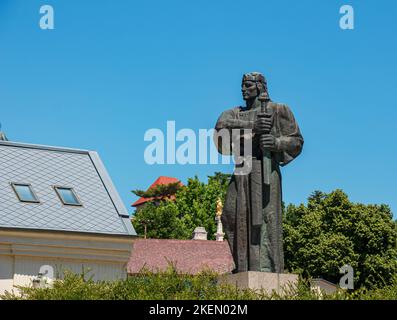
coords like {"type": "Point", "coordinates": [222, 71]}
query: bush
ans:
{"type": "Point", "coordinates": [171, 285]}
{"type": "Point", "coordinates": [166, 285]}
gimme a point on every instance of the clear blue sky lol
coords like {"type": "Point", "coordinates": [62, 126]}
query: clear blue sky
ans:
{"type": "Point", "coordinates": [113, 69]}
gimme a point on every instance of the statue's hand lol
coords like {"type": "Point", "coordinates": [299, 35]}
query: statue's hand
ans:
{"type": "Point", "coordinates": [263, 123]}
{"type": "Point", "coordinates": [268, 142]}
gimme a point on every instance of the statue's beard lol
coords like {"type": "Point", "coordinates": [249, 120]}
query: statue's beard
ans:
{"type": "Point", "coordinates": [249, 98]}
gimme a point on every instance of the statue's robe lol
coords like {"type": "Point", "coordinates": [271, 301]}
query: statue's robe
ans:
{"type": "Point", "coordinates": [252, 213]}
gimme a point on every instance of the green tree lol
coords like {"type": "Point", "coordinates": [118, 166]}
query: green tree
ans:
{"type": "Point", "coordinates": [195, 205]}
{"type": "Point", "coordinates": [160, 220]}
{"type": "Point", "coordinates": [330, 231]}
{"type": "Point", "coordinates": [160, 191]}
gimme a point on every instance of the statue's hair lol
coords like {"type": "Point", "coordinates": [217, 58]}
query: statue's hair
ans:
{"type": "Point", "coordinates": [258, 77]}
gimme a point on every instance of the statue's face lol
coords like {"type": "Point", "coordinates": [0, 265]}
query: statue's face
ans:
{"type": "Point", "coordinates": [249, 90]}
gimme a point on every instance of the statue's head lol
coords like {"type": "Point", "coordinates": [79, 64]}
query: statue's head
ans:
{"type": "Point", "coordinates": [254, 85]}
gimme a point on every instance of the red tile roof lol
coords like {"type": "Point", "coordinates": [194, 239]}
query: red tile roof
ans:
{"type": "Point", "coordinates": [160, 180]}
{"type": "Point", "coordinates": [188, 256]}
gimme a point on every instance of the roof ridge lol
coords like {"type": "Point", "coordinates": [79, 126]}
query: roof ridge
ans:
{"type": "Point", "coordinates": [42, 147]}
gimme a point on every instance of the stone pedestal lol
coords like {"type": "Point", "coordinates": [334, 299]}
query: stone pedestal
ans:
{"type": "Point", "coordinates": [261, 280]}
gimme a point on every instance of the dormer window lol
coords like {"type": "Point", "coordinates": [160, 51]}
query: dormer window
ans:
{"type": "Point", "coordinates": [67, 196]}
{"type": "Point", "coordinates": [24, 192]}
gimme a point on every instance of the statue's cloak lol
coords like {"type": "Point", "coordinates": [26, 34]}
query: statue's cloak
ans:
{"type": "Point", "coordinates": [252, 214]}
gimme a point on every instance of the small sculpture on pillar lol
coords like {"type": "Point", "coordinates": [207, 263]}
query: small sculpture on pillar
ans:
{"type": "Point", "coordinates": [219, 228]}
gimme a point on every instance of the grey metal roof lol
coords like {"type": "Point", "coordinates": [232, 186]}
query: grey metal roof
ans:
{"type": "Point", "coordinates": [43, 167]}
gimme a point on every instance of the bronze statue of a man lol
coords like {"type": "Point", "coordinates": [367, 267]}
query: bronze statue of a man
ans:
{"type": "Point", "coordinates": [252, 215]}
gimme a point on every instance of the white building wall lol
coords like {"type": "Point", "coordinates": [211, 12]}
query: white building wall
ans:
{"type": "Point", "coordinates": [27, 267]}
{"type": "Point", "coordinates": [22, 255]}
{"type": "Point", "coordinates": [6, 273]}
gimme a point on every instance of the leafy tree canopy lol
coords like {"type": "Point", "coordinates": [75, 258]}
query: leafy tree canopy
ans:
{"type": "Point", "coordinates": [194, 206]}
{"type": "Point", "coordinates": [331, 231]}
